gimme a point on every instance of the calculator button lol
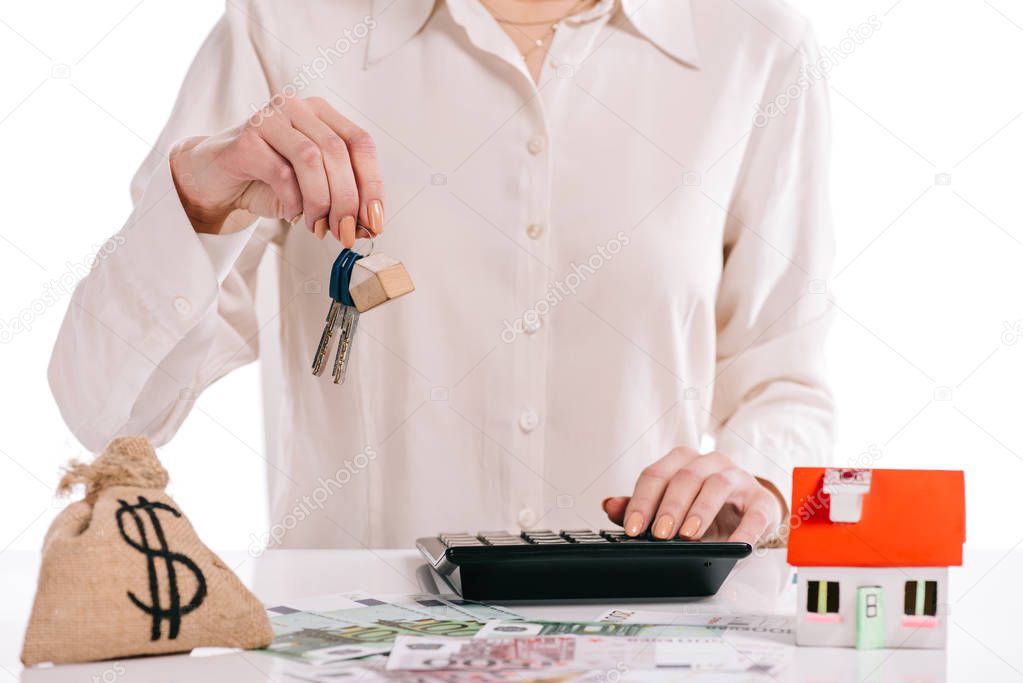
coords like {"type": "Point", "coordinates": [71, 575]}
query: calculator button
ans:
{"type": "Point", "coordinates": [501, 538]}
{"type": "Point", "coordinates": [546, 539]}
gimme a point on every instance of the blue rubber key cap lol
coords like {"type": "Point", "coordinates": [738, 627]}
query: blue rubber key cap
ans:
{"type": "Point", "coordinates": [342, 315]}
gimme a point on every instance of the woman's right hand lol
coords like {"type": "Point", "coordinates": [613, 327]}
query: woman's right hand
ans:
{"type": "Point", "coordinates": [297, 158]}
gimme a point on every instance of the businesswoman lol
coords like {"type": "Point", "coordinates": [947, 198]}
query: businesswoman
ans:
{"type": "Point", "coordinates": [615, 214]}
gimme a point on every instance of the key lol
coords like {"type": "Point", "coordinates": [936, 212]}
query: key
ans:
{"type": "Point", "coordinates": [333, 320]}
{"type": "Point", "coordinates": [349, 321]}
{"type": "Point", "coordinates": [357, 284]}
{"type": "Point", "coordinates": [340, 291]}
{"type": "Point", "coordinates": [365, 283]}
{"type": "Point", "coordinates": [336, 315]}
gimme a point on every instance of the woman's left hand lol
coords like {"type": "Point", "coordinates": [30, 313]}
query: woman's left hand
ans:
{"type": "Point", "coordinates": [698, 497]}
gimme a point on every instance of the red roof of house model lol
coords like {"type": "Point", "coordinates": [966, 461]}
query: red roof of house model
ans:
{"type": "Point", "coordinates": [910, 518]}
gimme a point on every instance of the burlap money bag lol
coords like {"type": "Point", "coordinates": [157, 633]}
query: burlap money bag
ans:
{"type": "Point", "coordinates": [124, 574]}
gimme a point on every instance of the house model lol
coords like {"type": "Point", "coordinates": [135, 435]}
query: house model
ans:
{"type": "Point", "coordinates": [873, 549]}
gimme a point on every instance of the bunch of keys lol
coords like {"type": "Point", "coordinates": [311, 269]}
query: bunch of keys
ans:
{"type": "Point", "coordinates": [357, 283]}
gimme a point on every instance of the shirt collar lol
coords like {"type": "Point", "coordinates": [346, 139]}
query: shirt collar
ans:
{"type": "Point", "coordinates": [668, 24]}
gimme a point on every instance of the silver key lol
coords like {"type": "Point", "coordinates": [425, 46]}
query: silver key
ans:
{"type": "Point", "coordinates": [333, 321]}
{"type": "Point", "coordinates": [349, 322]}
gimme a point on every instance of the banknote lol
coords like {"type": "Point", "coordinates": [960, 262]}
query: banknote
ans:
{"type": "Point", "coordinates": [357, 607]}
{"type": "Point", "coordinates": [481, 611]}
{"type": "Point", "coordinates": [368, 608]}
{"type": "Point", "coordinates": [286, 619]}
{"type": "Point", "coordinates": [357, 674]}
{"type": "Point", "coordinates": [297, 632]}
{"type": "Point", "coordinates": [748, 623]}
{"type": "Point", "coordinates": [428, 626]}
{"type": "Point", "coordinates": [337, 639]}
{"type": "Point", "coordinates": [506, 629]}
{"type": "Point", "coordinates": [373, 670]}
{"type": "Point", "coordinates": [435, 606]}
{"type": "Point", "coordinates": [568, 653]}
{"type": "Point", "coordinates": [407, 613]}
{"type": "Point", "coordinates": [337, 654]}
{"type": "Point", "coordinates": [354, 625]}
{"type": "Point", "coordinates": [450, 607]}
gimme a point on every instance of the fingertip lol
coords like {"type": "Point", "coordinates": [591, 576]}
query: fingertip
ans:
{"type": "Point", "coordinates": [612, 502]}
{"type": "Point", "coordinates": [635, 525]}
{"type": "Point", "coordinates": [320, 228]}
{"type": "Point", "coordinates": [692, 528]}
{"type": "Point", "coordinates": [614, 507]}
{"type": "Point", "coordinates": [375, 214]}
{"type": "Point", "coordinates": [347, 229]}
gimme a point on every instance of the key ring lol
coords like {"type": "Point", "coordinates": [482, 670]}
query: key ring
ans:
{"type": "Point", "coordinates": [369, 233]}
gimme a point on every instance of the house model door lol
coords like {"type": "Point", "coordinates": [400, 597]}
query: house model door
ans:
{"type": "Point", "coordinates": [869, 617]}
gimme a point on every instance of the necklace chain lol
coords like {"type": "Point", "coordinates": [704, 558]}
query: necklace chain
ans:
{"type": "Point", "coordinates": [554, 23]}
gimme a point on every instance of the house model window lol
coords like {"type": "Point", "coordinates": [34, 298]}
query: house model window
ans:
{"type": "Point", "coordinates": [822, 597]}
{"type": "Point", "coordinates": [921, 598]}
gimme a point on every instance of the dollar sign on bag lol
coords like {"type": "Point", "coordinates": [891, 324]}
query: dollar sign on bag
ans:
{"type": "Point", "coordinates": [175, 610]}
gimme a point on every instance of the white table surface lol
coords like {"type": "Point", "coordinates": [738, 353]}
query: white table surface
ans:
{"type": "Point", "coordinates": [985, 638]}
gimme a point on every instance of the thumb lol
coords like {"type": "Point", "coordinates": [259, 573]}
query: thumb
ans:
{"type": "Point", "coordinates": [614, 507]}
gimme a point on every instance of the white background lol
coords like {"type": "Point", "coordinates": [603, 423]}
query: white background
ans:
{"type": "Point", "coordinates": [925, 354]}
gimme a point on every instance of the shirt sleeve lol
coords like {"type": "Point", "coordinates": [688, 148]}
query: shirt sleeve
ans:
{"type": "Point", "coordinates": [164, 313]}
{"type": "Point", "coordinates": [772, 406]}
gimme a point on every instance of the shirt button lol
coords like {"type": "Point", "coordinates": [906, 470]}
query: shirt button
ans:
{"type": "Point", "coordinates": [534, 231]}
{"type": "Point", "coordinates": [182, 305]}
{"type": "Point", "coordinates": [532, 325]}
{"type": "Point", "coordinates": [536, 145]}
{"type": "Point", "coordinates": [528, 421]}
{"type": "Point", "coordinates": [526, 518]}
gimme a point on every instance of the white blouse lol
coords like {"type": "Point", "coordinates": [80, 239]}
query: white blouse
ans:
{"type": "Point", "coordinates": [627, 257]}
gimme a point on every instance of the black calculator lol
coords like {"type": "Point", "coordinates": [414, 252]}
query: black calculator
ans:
{"type": "Point", "coordinates": [540, 565]}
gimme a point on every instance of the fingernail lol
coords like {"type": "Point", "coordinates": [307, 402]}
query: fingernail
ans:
{"type": "Point", "coordinates": [376, 216]}
{"type": "Point", "coordinates": [691, 526]}
{"type": "Point", "coordinates": [320, 228]}
{"type": "Point", "coordinates": [348, 228]}
{"type": "Point", "coordinates": [603, 503]}
{"type": "Point", "coordinates": [634, 525]}
{"type": "Point", "coordinates": [664, 526]}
